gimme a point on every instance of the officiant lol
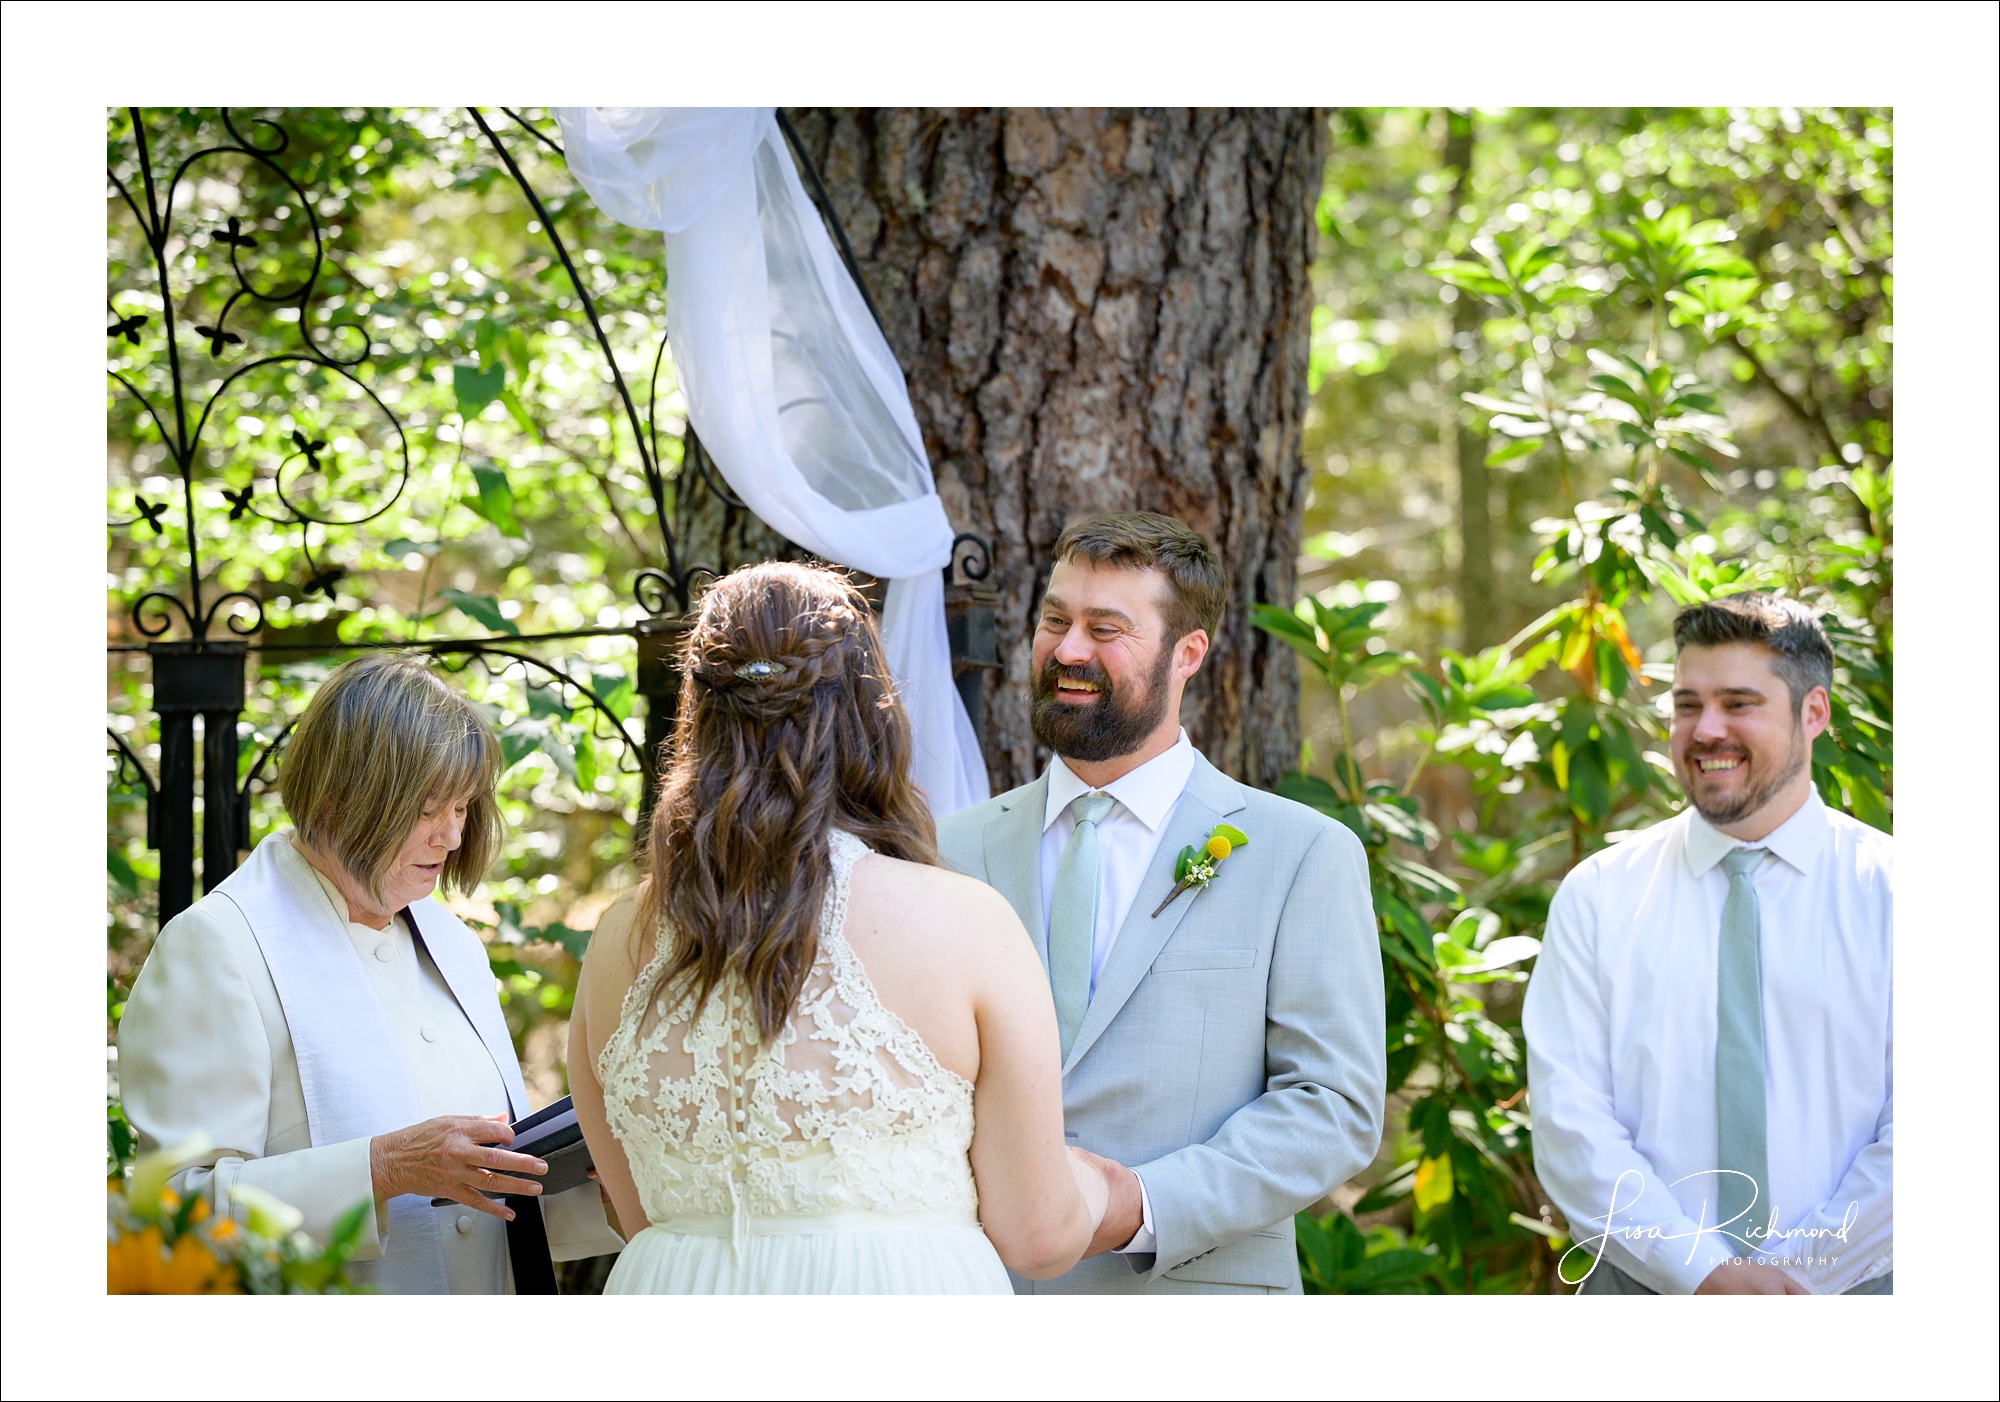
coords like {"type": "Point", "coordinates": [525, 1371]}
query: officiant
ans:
{"type": "Point", "coordinates": [333, 1030]}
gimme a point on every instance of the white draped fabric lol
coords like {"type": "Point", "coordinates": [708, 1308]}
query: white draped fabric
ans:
{"type": "Point", "coordinates": [789, 381]}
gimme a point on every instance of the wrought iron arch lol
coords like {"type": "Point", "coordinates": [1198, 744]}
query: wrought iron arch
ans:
{"type": "Point", "coordinates": [203, 674]}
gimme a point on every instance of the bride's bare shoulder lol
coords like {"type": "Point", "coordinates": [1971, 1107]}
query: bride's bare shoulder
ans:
{"type": "Point", "coordinates": [937, 898]}
{"type": "Point", "coordinates": [613, 955]}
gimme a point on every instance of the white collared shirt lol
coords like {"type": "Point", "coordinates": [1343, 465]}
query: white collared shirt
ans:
{"type": "Point", "coordinates": [1621, 1031]}
{"type": "Point", "coordinates": [1128, 838]}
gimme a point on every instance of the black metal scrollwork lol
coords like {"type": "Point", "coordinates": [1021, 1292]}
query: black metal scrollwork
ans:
{"type": "Point", "coordinates": [976, 566]}
{"type": "Point", "coordinates": [153, 207]}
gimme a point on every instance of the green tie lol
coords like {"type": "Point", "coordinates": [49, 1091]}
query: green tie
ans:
{"type": "Point", "coordinates": [1073, 918]}
{"type": "Point", "coordinates": [1739, 1056]}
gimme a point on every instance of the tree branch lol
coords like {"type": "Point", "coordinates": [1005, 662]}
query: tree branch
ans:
{"type": "Point", "coordinates": [1803, 409]}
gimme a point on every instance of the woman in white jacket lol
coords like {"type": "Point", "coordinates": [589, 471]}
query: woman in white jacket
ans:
{"type": "Point", "coordinates": [333, 1031]}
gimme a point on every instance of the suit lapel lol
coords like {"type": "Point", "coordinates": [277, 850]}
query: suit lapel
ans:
{"type": "Point", "coordinates": [1014, 859]}
{"type": "Point", "coordinates": [1209, 797]}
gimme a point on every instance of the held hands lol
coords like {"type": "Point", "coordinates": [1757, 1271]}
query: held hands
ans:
{"type": "Point", "coordinates": [449, 1157]}
{"type": "Point", "coordinates": [1120, 1215]}
{"type": "Point", "coordinates": [1749, 1278]}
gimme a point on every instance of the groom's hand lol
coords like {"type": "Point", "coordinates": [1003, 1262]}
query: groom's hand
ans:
{"type": "Point", "coordinates": [1123, 1216]}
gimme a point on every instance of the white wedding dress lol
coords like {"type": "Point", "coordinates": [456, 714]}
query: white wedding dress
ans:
{"type": "Point", "coordinates": [832, 1161]}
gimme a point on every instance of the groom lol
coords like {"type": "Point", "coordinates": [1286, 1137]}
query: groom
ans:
{"type": "Point", "coordinates": [1222, 1042]}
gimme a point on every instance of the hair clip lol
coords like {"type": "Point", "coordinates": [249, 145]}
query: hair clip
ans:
{"type": "Point", "coordinates": [760, 670]}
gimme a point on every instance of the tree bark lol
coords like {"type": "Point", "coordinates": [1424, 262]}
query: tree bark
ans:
{"type": "Point", "coordinates": [1477, 607]}
{"type": "Point", "coordinates": [1102, 311]}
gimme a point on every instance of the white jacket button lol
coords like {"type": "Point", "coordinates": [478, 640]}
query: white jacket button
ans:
{"type": "Point", "coordinates": [428, 1032]}
{"type": "Point", "coordinates": [464, 1226]}
{"type": "Point", "coordinates": [383, 952]}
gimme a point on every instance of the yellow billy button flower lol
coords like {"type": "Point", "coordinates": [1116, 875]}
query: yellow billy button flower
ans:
{"type": "Point", "coordinates": [1195, 867]}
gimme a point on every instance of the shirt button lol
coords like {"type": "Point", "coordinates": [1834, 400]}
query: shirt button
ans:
{"type": "Point", "coordinates": [465, 1226]}
{"type": "Point", "coordinates": [383, 952]}
{"type": "Point", "coordinates": [428, 1032]}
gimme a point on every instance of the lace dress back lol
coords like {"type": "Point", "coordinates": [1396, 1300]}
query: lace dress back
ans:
{"type": "Point", "coordinates": [845, 1112]}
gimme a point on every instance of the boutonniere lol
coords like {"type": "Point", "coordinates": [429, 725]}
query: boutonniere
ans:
{"type": "Point", "coordinates": [1197, 866]}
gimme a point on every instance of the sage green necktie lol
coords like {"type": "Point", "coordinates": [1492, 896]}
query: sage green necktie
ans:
{"type": "Point", "coordinates": [1739, 1056]}
{"type": "Point", "coordinates": [1073, 917]}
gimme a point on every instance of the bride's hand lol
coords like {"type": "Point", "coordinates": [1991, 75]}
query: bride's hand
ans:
{"type": "Point", "coordinates": [1091, 1182]}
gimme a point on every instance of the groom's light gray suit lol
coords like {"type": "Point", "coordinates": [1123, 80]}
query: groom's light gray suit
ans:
{"type": "Point", "coordinates": [1232, 1053]}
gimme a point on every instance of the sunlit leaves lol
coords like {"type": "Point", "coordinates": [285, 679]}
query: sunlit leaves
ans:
{"type": "Point", "coordinates": [482, 608]}
{"type": "Point", "coordinates": [473, 389]}
{"type": "Point", "coordinates": [496, 498]}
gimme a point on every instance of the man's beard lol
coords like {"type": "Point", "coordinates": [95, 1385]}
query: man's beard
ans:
{"type": "Point", "coordinates": [1756, 794]}
{"type": "Point", "coordinates": [1106, 728]}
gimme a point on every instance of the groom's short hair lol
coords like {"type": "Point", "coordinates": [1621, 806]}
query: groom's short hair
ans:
{"type": "Point", "coordinates": [1800, 652]}
{"type": "Point", "coordinates": [1146, 540]}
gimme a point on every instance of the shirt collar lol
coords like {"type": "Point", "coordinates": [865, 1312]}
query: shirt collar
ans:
{"type": "Point", "coordinates": [1796, 841]}
{"type": "Point", "coordinates": [1148, 793]}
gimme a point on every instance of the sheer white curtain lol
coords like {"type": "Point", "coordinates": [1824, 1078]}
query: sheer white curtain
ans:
{"type": "Point", "coordinates": [788, 380]}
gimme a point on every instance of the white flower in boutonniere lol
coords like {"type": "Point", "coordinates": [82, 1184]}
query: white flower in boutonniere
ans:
{"type": "Point", "coordinates": [1197, 866]}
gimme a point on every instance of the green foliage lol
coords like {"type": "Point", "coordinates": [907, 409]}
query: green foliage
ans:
{"type": "Point", "coordinates": [1638, 340]}
{"type": "Point", "coordinates": [524, 509]}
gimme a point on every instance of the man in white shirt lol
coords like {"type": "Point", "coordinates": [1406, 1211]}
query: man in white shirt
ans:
{"type": "Point", "coordinates": [1709, 1023]}
{"type": "Point", "coordinates": [1224, 1039]}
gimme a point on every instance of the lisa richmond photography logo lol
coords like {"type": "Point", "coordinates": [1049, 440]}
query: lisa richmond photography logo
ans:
{"type": "Point", "coordinates": [1748, 1240]}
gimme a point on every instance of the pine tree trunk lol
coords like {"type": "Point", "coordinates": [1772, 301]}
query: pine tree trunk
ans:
{"type": "Point", "coordinates": [1100, 311]}
{"type": "Point", "coordinates": [1478, 607]}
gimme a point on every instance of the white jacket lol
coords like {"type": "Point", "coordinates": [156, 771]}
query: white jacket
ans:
{"type": "Point", "coordinates": [291, 1037]}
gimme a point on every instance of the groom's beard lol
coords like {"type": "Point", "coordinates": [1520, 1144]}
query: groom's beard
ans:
{"type": "Point", "coordinates": [1775, 774]}
{"type": "Point", "coordinates": [1112, 725]}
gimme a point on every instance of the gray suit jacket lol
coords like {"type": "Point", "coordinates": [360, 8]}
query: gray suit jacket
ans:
{"type": "Point", "coordinates": [1233, 1052]}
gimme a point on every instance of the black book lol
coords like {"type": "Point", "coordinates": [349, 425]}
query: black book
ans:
{"type": "Point", "coordinates": [552, 1135]}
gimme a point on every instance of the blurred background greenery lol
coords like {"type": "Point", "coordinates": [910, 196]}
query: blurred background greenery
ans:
{"type": "Point", "coordinates": [1569, 368]}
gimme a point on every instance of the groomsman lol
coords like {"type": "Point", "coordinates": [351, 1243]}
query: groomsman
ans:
{"type": "Point", "coordinates": [1708, 1026]}
{"type": "Point", "coordinates": [1222, 1043]}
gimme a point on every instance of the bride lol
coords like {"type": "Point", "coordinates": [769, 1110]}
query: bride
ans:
{"type": "Point", "coordinates": [805, 1056]}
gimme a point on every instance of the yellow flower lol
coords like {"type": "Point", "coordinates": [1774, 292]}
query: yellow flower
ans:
{"type": "Point", "coordinates": [1218, 847]}
{"type": "Point", "coordinates": [138, 1264]}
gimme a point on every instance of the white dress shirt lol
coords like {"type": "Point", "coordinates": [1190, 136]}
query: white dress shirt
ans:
{"type": "Point", "coordinates": [1620, 1020]}
{"type": "Point", "coordinates": [1128, 838]}
{"type": "Point", "coordinates": [210, 1051]}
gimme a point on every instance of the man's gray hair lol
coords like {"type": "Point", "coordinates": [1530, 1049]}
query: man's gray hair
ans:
{"type": "Point", "coordinates": [1801, 653]}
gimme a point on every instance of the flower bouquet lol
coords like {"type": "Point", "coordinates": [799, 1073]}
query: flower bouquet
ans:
{"type": "Point", "coordinates": [158, 1243]}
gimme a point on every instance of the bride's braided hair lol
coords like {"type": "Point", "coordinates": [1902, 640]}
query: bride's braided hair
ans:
{"type": "Point", "coordinates": [789, 726]}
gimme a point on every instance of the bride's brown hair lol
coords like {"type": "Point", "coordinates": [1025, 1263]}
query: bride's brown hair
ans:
{"type": "Point", "coordinates": [789, 727]}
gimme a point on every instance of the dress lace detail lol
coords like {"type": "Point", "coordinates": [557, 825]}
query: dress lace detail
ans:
{"type": "Point", "coordinates": [846, 1111]}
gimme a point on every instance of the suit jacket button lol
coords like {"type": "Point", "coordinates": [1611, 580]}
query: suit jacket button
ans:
{"type": "Point", "coordinates": [428, 1032]}
{"type": "Point", "coordinates": [464, 1225]}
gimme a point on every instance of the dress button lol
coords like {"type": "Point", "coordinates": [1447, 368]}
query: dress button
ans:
{"type": "Point", "coordinates": [383, 952]}
{"type": "Point", "coordinates": [428, 1032]}
{"type": "Point", "coordinates": [464, 1226]}
{"type": "Point", "coordinates": [739, 1117]}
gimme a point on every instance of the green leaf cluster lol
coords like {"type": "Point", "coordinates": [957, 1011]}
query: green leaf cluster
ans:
{"type": "Point", "coordinates": [1658, 342]}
